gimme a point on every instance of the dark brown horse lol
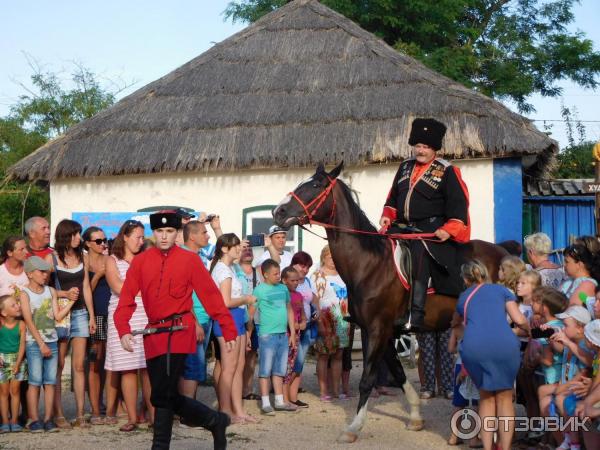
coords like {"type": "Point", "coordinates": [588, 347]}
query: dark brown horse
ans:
{"type": "Point", "coordinates": [376, 297]}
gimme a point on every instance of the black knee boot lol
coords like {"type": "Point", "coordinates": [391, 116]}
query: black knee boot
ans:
{"type": "Point", "coordinates": [163, 425]}
{"type": "Point", "coordinates": [417, 310]}
{"type": "Point", "coordinates": [198, 414]}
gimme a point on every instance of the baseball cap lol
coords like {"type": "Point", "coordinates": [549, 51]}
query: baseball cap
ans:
{"type": "Point", "coordinates": [274, 229]}
{"type": "Point", "coordinates": [184, 214]}
{"type": "Point", "coordinates": [36, 263]}
{"type": "Point", "coordinates": [592, 332]}
{"type": "Point", "coordinates": [579, 313]}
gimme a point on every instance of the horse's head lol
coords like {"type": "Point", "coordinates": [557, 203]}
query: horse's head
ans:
{"type": "Point", "coordinates": [311, 200]}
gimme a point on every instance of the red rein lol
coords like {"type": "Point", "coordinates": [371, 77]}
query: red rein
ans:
{"type": "Point", "coordinates": [320, 200]}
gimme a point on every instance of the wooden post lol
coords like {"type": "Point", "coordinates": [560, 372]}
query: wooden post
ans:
{"type": "Point", "coordinates": [596, 153]}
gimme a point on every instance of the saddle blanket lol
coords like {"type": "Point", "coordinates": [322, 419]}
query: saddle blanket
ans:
{"type": "Point", "coordinates": [402, 263]}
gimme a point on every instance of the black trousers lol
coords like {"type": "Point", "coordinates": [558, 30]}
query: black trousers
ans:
{"type": "Point", "coordinates": [165, 397]}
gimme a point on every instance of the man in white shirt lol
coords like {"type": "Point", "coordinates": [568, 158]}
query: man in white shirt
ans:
{"type": "Point", "coordinates": [275, 248]}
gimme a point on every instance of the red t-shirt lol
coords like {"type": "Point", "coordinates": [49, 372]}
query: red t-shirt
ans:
{"type": "Point", "coordinates": [41, 253]}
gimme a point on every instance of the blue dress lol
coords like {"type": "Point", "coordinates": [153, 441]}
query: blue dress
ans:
{"type": "Point", "coordinates": [490, 349]}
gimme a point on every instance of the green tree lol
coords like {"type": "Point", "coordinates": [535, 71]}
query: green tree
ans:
{"type": "Point", "coordinates": [50, 106]}
{"type": "Point", "coordinates": [506, 49]}
{"type": "Point", "coordinates": [576, 160]}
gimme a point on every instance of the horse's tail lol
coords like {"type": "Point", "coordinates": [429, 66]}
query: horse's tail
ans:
{"type": "Point", "coordinates": [512, 247]}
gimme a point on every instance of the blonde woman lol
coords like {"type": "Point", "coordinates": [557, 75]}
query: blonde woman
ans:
{"type": "Point", "coordinates": [490, 349]}
{"type": "Point", "coordinates": [334, 332]}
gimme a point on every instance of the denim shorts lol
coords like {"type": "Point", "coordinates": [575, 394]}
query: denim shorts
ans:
{"type": "Point", "coordinates": [302, 350]}
{"type": "Point", "coordinates": [80, 324]}
{"type": "Point", "coordinates": [239, 317]}
{"type": "Point", "coordinates": [272, 355]}
{"type": "Point", "coordinates": [195, 363]}
{"type": "Point", "coordinates": [41, 370]}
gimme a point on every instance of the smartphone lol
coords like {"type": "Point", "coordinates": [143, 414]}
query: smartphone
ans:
{"type": "Point", "coordinates": [256, 240]}
{"type": "Point", "coordinates": [538, 333]}
{"type": "Point", "coordinates": [210, 217]}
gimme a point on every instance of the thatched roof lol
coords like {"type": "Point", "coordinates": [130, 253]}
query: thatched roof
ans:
{"type": "Point", "coordinates": [303, 84]}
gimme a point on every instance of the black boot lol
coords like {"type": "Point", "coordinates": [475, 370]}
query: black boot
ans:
{"type": "Point", "coordinates": [163, 425]}
{"type": "Point", "coordinates": [417, 310]}
{"type": "Point", "coordinates": [198, 414]}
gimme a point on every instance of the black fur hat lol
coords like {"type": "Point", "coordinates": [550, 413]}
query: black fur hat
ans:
{"type": "Point", "coordinates": [165, 219]}
{"type": "Point", "coordinates": [427, 131]}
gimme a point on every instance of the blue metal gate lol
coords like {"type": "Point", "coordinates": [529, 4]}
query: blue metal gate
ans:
{"type": "Point", "coordinates": [561, 218]}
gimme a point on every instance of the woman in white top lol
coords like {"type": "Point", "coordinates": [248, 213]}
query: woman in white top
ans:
{"type": "Point", "coordinates": [123, 366]}
{"type": "Point", "coordinates": [229, 378]}
{"type": "Point", "coordinates": [334, 331]}
{"type": "Point", "coordinates": [12, 274]}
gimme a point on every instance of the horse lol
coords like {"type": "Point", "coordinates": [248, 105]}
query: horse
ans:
{"type": "Point", "coordinates": [376, 296]}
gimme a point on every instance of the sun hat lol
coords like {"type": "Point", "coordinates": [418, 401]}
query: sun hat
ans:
{"type": "Point", "coordinates": [579, 313]}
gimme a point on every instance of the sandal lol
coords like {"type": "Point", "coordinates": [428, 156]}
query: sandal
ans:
{"type": "Point", "coordinates": [325, 398]}
{"type": "Point", "coordinates": [97, 420]}
{"type": "Point", "coordinates": [454, 440]}
{"type": "Point", "coordinates": [62, 423]}
{"type": "Point", "coordinates": [81, 422]}
{"type": "Point", "coordinates": [251, 396]}
{"type": "Point", "coordinates": [128, 427]}
{"type": "Point", "coordinates": [111, 420]}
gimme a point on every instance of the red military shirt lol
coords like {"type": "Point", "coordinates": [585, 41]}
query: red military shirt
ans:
{"type": "Point", "coordinates": [166, 282]}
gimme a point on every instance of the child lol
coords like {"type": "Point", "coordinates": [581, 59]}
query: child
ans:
{"type": "Point", "coordinates": [510, 269]}
{"type": "Point", "coordinates": [276, 316]}
{"type": "Point", "coordinates": [460, 377]}
{"type": "Point", "coordinates": [290, 278]}
{"type": "Point", "coordinates": [547, 303]}
{"type": "Point", "coordinates": [12, 368]}
{"type": "Point", "coordinates": [575, 362]}
{"type": "Point", "coordinates": [39, 304]}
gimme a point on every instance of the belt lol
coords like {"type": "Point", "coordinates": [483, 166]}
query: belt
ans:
{"type": "Point", "coordinates": [176, 324]}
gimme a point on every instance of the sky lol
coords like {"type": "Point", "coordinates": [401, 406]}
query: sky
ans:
{"type": "Point", "coordinates": [134, 42]}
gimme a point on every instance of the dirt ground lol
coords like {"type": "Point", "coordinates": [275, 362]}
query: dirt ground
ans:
{"type": "Point", "coordinates": [314, 428]}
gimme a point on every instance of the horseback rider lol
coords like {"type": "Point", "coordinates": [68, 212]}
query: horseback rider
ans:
{"type": "Point", "coordinates": [428, 195]}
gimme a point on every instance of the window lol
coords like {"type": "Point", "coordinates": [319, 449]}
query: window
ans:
{"type": "Point", "coordinates": [258, 219]}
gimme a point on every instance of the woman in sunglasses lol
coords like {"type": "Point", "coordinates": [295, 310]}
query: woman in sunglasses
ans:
{"type": "Point", "coordinates": [95, 243]}
{"type": "Point", "coordinates": [582, 269]}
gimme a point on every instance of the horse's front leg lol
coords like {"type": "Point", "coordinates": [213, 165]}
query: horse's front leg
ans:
{"type": "Point", "coordinates": [374, 354]}
{"type": "Point", "coordinates": [395, 366]}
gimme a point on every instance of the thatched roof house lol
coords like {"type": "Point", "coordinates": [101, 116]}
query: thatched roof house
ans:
{"type": "Point", "coordinates": [301, 85]}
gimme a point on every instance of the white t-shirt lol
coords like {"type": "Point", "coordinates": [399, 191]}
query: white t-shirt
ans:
{"type": "Point", "coordinates": [331, 289]}
{"type": "Point", "coordinates": [286, 259]}
{"type": "Point", "coordinates": [306, 289]}
{"type": "Point", "coordinates": [221, 272]}
{"type": "Point", "coordinates": [8, 281]}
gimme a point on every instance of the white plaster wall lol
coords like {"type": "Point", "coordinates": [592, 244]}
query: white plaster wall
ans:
{"type": "Point", "coordinates": [228, 193]}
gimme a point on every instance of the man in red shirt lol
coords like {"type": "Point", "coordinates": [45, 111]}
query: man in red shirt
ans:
{"type": "Point", "coordinates": [166, 276]}
{"type": "Point", "coordinates": [37, 230]}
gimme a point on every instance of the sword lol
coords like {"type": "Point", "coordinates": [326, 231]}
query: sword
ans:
{"type": "Point", "coordinates": [157, 330]}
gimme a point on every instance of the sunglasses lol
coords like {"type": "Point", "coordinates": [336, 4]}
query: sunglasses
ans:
{"type": "Point", "coordinates": [99, 241]}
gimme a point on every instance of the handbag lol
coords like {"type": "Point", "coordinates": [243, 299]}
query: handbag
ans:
{"type": "Point", "coordinates": [65, 322]}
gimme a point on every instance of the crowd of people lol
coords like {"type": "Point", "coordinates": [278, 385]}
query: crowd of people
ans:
{"type": "Point", "coordinates": [533, 338]}
{"type": "Point", "coordinates": [61, 299]}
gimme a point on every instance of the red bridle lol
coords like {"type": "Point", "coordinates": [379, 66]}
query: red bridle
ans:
{"type": "Point", "coordinates": [318, 201]}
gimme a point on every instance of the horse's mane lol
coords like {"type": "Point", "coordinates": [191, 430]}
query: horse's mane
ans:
{"type": "Point", "coordinates": [361, 221]}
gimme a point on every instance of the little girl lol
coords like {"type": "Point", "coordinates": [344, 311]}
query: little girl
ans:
{"type": "Point", "coordinates": [290, 278]}
{"type": "Point", "coordinates": [511, 268]}
{"type": "Point", "coordinates": [528, 281]}
{"type": "Point", "coordinates": [12, 368]}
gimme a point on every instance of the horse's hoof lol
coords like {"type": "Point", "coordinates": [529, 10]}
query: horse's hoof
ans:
{"type": "Point", "coordinates": [347, 437]}
{"type": "Point", "coordinates": [416, 425]}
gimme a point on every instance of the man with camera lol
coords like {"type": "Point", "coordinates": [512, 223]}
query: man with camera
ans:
{"type": "Point", "coordinates": [275, 248]}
